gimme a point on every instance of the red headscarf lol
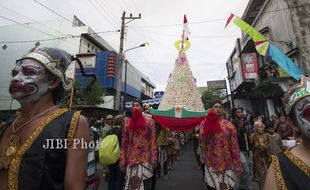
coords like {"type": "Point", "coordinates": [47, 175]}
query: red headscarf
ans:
{"type": "Point", "coordinates": [137, 120]}
{"type": "Point", "coordinates": [211, 124]}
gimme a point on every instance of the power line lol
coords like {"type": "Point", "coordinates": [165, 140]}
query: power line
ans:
{"type": "Point", "coordinates": [4, 7]}
{"type": "Point", "coordinates": [211, 20]}
{"type": "Point", "coordinates": [192, 36]}
{"type": "Point", "coordinates": [56, 38]}
{"type": "Point", "coordinates": [112, 24]}
{"type": "Point", "coordinates": [122, 8]}
{"type": "Point", "coordinates": [52, 11]}
{"type": "Point", "coordinates": [173, 25]}
{"type": "Point", "coordinates": [109, 12]}
{"type": "Point", "coordinates": [27, 26]}
{"type": "Point", "coordinates": [58, 14]}
{"type": "Point", "coordinates": [37, 22]}
{"type": "Point", "coordinates": [135, 5]}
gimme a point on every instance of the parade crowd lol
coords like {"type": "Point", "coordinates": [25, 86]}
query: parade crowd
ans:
{"type": "Point", "coordinates": [233, 155]}
{"type": "Point", "coordinates": [231, 150]}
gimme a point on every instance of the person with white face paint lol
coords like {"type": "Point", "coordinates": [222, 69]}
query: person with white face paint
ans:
{"type": "Point", "coordinates": [27, 158]}
{"type": "Point", "coordinates": [291, 169]}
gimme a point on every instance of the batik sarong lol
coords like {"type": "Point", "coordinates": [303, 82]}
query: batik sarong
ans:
{"type": "Point", "coordinates": [136, 174]}
{"type": "Point", "coordinates": [213, 179]}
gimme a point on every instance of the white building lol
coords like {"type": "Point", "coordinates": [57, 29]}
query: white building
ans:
{"type": "Point", "coordinates": [74, 37]}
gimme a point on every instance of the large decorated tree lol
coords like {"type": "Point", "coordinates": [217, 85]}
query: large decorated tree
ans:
{"type": "Point", "coordinates": [181, 107]}
{"type": "Point", "coordinates": [181, 90]}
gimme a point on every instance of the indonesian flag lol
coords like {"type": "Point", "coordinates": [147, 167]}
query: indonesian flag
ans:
{"type": "Point", "coordinates": [186, 30]}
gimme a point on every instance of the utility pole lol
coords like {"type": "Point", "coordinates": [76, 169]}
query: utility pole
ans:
{"type": "Point", "coordinates": [121, 60]}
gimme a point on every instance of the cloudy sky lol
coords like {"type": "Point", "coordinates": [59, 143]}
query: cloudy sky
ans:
{"type": "Point", "coordinates": [160, 25]}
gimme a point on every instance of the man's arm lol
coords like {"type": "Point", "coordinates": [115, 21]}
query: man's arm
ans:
{"type": "Point", "coordinates": [270, 182]}
{"type": "Point", "coordinates": [76, 168]}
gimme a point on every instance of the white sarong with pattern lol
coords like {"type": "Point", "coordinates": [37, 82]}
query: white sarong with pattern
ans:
{"type": "Point", "coordinates": [136, 174]}
{"type": "Point", "coordinates": [213, 179]}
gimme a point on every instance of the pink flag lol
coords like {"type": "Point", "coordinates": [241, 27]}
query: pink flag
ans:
{"type": "Point", "coordinates": [186, 30]}
{"type": "Point", "coordinates": [229, 19]}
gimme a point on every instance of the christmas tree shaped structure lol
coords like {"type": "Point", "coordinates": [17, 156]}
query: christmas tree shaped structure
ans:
{"type": "Point", "coordinates": [181, 107]}
{"type": "Point", "coordinates": [181, 90]}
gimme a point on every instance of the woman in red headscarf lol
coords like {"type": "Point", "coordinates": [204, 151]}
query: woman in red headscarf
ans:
{"type": "Point", "coordinates": [138, 150]}
{"type": "Point", "coordinates": [222, 160]}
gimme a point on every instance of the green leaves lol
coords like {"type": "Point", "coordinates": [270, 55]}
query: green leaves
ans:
{"type": "Point", "coordinates": [211, 95]}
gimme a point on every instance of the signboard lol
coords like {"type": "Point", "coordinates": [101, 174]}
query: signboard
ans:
{"type": "Point", "coordinates": [88, 59]}
{"type": "Point", "coordinates": [249, 65]}
{"type": "Point", "coordinates": [159, 94]}
{"type": "Point", "coordinates": [216, 84]}
{"type": "Point", "coordinates": [237, 77]}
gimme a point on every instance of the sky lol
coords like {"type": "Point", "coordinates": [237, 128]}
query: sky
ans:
{"type": "Point", "coordinates": [161, 25]}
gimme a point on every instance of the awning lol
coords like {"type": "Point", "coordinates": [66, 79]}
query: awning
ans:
{"type": "Point", "coordinates": [154, 101]}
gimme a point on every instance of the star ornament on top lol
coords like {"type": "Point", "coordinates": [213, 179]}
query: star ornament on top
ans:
{"type": "Point", "coordinates": [296, 93]}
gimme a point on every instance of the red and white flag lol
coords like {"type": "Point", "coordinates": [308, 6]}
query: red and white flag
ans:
{"type": "Point", "coordinates": [186, 30]}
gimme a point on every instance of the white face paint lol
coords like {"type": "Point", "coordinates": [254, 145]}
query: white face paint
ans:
{"type": "Point", "coordinates": [302, 115]}
{"type": "Point", "coordinates": [259, 127]}
{"type": "Point", "coordinates": [30, 81]}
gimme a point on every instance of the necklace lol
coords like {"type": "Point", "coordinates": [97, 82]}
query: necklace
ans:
{"type": "Point", "coordinates": [7, 155]}
{"type": "Point", "coordinates": [30, 120]}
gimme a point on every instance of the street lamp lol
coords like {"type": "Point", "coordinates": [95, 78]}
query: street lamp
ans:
{"type": "Point", "coordinates": [142, 45]}
{"type": "Point", "coordinates": [125, 81]}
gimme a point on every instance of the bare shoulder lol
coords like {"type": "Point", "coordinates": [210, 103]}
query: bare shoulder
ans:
{"type": "Point", "coordinates": [83, 128]}
{"type": "Point", "coordinates": [83, 120]}
{"type": "Point", "coordinates": [77, 156]}
{"type": "Point", "coordinates": [270, 182]}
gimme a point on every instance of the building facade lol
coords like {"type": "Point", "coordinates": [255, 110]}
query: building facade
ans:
{"type": "Point", "coordinates": [257, 83]}
{"type": "Point", "coordinates": [75, 38]}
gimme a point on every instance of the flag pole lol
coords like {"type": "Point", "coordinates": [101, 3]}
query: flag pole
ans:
{"type": "Point", "coordinates": [182, 46]}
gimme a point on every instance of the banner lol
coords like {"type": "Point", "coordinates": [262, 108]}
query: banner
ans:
{"type": "Point", "coordinates": [249, 65]}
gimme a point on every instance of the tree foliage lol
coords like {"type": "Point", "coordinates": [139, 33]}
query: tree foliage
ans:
{"type": "Point", "coordinates": [92, 95]}
{"type": "Point", "coordinates": [85, 95]}
{"type": "Point", "coordinates": [210, 95]}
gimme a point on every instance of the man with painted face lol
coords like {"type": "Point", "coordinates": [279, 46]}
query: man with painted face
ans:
{"type": "Point", "coordinates": [291, 169]}
{"type": "Point", "coordinates": [39, 149]}
{"type": "Point", "coordinates": [138, 150]}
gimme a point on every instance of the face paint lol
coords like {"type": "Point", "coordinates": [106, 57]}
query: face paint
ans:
{"type": "Point", "coordinates": [302, 115]}
{"type": "Point", "coordinates": [29, 81]}
{"type": "Point", "coordinates": [259, 127]}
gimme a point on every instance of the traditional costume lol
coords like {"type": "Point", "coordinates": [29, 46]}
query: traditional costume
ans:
{"type": "Point", "coordinates": [291, 173]}
{"type": "Point", "coordinates": [222, 159]}
{"type": "Point", "coordinates": [40, 163]}
{"type": "Point", "coordinates": [138, 150]}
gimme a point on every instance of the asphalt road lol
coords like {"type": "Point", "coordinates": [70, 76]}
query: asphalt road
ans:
{"type": "Point", "coordinates": [185, 176]}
